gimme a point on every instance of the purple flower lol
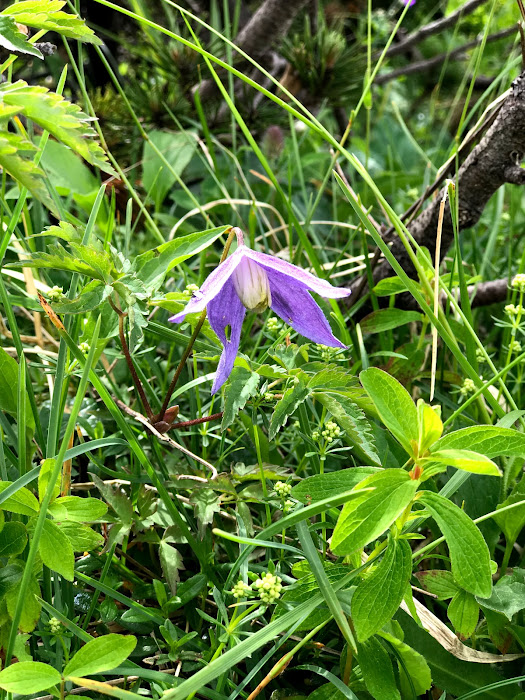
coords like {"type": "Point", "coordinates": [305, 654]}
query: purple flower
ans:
{"type": "Point", "coordinates": [256, 281]}
{"type": "Point", "coordinates": [408, 2]}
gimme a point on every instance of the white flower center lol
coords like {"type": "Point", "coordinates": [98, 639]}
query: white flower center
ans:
{"type": "Point", "coordinates": [252, 285]}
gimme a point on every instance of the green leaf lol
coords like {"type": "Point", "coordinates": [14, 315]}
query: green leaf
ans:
{"type": "Point", "coordinates": [46, 14]}
{"type": "Point", "coordinates": [82, 259]}
{"type": "Point", "coordinates": [171, 562]}
{"type": "Point", "coordinates": [466, 460]}
{"type": "Point", "coordinates": [100, 654]}
{"type": "Point", "coordinates": [81, 537]}
{"type": "Point", "coordinates": [93, 295]}
{"type": "Point", "coordinates": [430, 425]}
{"type": "Point", "coordinates": [10, 576]}
{"type": "Point", "coordinates": [379, 595]}
{"type": "Point", "coordinates": [394, 406]}
{"type": "Point", "coordinates": [319, 486]}
{"type": "Point", "coordinates": [512, 521]}
{"type": "Point", "coordinates": [116, 498]}
{"type": "Point", "coordinates": [241, 386]}
{"type": "Point", "coordinates": [206, 503]}
{"type": "Point", "coordinates": [330, 378]}
{"type": "Point", "coordinates": [14, 151]}
{"type": "Point", "coordinates": [178, 148]}
{"type": "Point", "coordinates": [292, 398]}
{"type": "Point", "coordinates": [68, 173]}
{"type": "Point", "coordinates": [56, 551]}
{"type": "Point", "coordinates": [506, 598]}
{"type": "Point", "coordinates": [153, 265]}
{"type": "Point", "coordinates": [352, 420]}
{"type": "Point", "coordinates": [377, 670]}
{"type": "Point", "coordinates": [413, 663]}
{"type": "Point", "coordinates": [439, 582]}
{"type": "Point", "coordinates": [22, 502]}
{"type": "Point", "coordinates": [28, 677]}
{"type": "Point", "coordinates": [46, 468]}
{"type": "Point", "coordinates": [365, 518]}
{"type": "Point", "coordinates": [463, 612]}
{"type": "Point", "coordinates": [63, 119]}
{"type": "Point", "coordinates": [386, 319]}
{"type": "Point", "coordinates": [490, 441]}
{"type": "Point", "coordinates": [13, 539]}
{"type": "Point", "coordinates": [12, 39]}
{"type": "Point", "coordinates": [469, 554]}
{"type": "Point", "coordinates": [31, 608]}
{"type": "Point", "coordinates": [8, 383]}
{"type": "Point", "coordinates": [83, 510]}
{"type": "Point", "coordinates": [388, 286]}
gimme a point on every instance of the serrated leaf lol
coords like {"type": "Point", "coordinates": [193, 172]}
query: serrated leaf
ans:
{"type": "Point", "coordinates": [14, 160]}
{"type": "Point", "coordinates": [469, 554]}
{"type": "Point", "coordinates": [47, 14]}
{"type": "Point", "coordinates": [352, 420]}
{"type": "Point", "coordinates": [90, 298]}
{"type": "Point", "coordinates": [56, 551]}
{"type": "Point", "coordinates": [63, 119]}
{"type": "Point", "coordinates": [83, 260]}
{"type": "Point", "coordinates": [206, 503]}
{"type": "Point", "coordinates": [315, 488]}
{"type": "Point", "coordinates": [12, 40]}
{"type": "Point", "coordinates": [242, 385]}
{"type": "Point", "coordinates": [490, 441]}
{"type": "Point", "coordinates": [365, 518]}
{"type": "Point", "coordinates": [463, 612]}
{"type": "Point", "coordinates": [28, 677]}
{"type": "Point", "coordinates": [330, 378]}
{"type": "Point", "coordinates": [378, 596]}
{"type": "Point", "coordinates": [116, 498]}
{"type": "Point", "coordinates": [284, 408]}
{"type": "Point", "coordinates": [377, 670]}
{"type": "Point", "coordinates": [394, 405]}
{"type": "Point", "coordinates": [100, 654]}
{"type": "Point", "coordinates": [466, 460]}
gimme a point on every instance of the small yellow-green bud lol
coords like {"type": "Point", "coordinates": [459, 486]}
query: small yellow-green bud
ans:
{"type": "Point", "coordinates": [282, 489]}
{"type": "Point", "coordinates": [518, 282]}
{"type": "Point", "coordinates": [55, 293]}
{"type": "Point", "coordinates": [468, 387]}
{"type": "Point", "coordinates": [241, 590]}
{"type": "Point", "coordinates": [269, 588]}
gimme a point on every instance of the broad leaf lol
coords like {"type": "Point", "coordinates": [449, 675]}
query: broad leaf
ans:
{"type": "Point", "coordinates": [47, 14]}
{"type": "Point", "coordinates": [466, 460]}
{"type": "Point", "coordinates": [100, 654]}
{"type": "Point", "coordinates": [377, 670]}
{"type": "Point", "coordinates": [394, 406]}
{"type": "Point", "coordinates": [469, 554]}
{"type": "Point", "coordinates": [56, 551]}
{"type": "Point", "coordinates": [319, 486]}
{"type": "Point", "coordinates": [463, 612]}
{"type": "Point", "coordinates": [365, 518]}
{"type": "Point", "coordinates": [46, 468]}
{"type": "Point", "coordinates": [178, 148]}
{"type": "Point", "coordinates": [81, 537]}
{"type": "Point", "coordinates": [242, 385]}
{"type": "Point", "coordinates": [13, 539]}
{"type": "Point", "coordinates": [31, 609]}
{"type": "Point", "coordinates": [506, 598]}
{"type": "Point", "coordinates": [352, 420]}
{"type": "Point", "coordinates": [28, 677]}
{"type": "Point", "coordinates": [292, 398]}
{"type": "Point", "coordinates": [512, 521]}
{"type": "Point", "coordinates": [430, 425]}
{"type": "Point", "coordinates": [12, 40]}
{"type": "Point", "coordinates": [411, 662]}
{"type": "Point", "coordinates": [439, 582]}
{"type": "Point", "coordinates": [22, 502]}
{"type": "Point", "coordinates": [386, 319]}
{"type": "Point", "coordinates": [83, 510]}
{"type": "Point", "coordinates": [490, 441]}
{"type": "Point", "coordinates": [379, 595]}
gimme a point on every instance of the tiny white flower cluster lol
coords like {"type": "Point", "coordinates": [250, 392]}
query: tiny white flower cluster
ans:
{"type": "Point", "coordinates": [55, 626]}
{"type": "Point", "coordinates": [55, 293]}
{"type": "Point", "coordinates": [268, 396]}
{"type": "Point", "coordinates": [273, 325]}
{"type": "Point", "coordinates": [468, 387]}
{"type": "Point", "coordinates": [241, 590]}
{"type": "Point", "coordinates": [515, 346]}
{"type": "Point", "coordinates": [513, 310]}
{"type": "Point", "coordinates": [331, 431]}
{"type": "Point", "coordinates": [518, 282]}
{"type": "Point", "coordinates": [480, 357]}
{"type": "Point", "coordinates": [84, 348]}
{"type": "Point", "coordinates": [282, 490]}
{"type": "Point", "coordinates": [269, 588]}
{"type": "Point", "coordinates": [326, 352]}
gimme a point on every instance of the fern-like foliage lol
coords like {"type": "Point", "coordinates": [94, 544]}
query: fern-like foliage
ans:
{"type": "Point", "coordinates": [15, 159]}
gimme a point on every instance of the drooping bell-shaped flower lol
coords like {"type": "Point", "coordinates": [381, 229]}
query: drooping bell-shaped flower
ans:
{"type": "Point", "coordinates": [255, 281]}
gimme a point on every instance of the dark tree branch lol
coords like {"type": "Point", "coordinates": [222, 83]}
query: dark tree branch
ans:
{"type": "Point", "coordinates": [492, 163]}
{"type": "Point", "coordinates": [427, 64]}
{"type": "Point", "coordinates": [435, 27]}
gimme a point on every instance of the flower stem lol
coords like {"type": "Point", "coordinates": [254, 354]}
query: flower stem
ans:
{"type": "Point", "coordinates": [155, 419]}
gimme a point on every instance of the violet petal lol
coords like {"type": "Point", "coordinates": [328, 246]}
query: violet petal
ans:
{"type": "Point", "coordinates": [293, 303]}
{"type": "Point", "coordinates": [315, 284]}
{"type": "Point", "coordinates": [211, 286]}
{"type": "Point", "coordinates": [224, 310]}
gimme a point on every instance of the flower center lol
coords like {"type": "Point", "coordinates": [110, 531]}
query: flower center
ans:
{"type": "Point", "coordinates": [252, 285]}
